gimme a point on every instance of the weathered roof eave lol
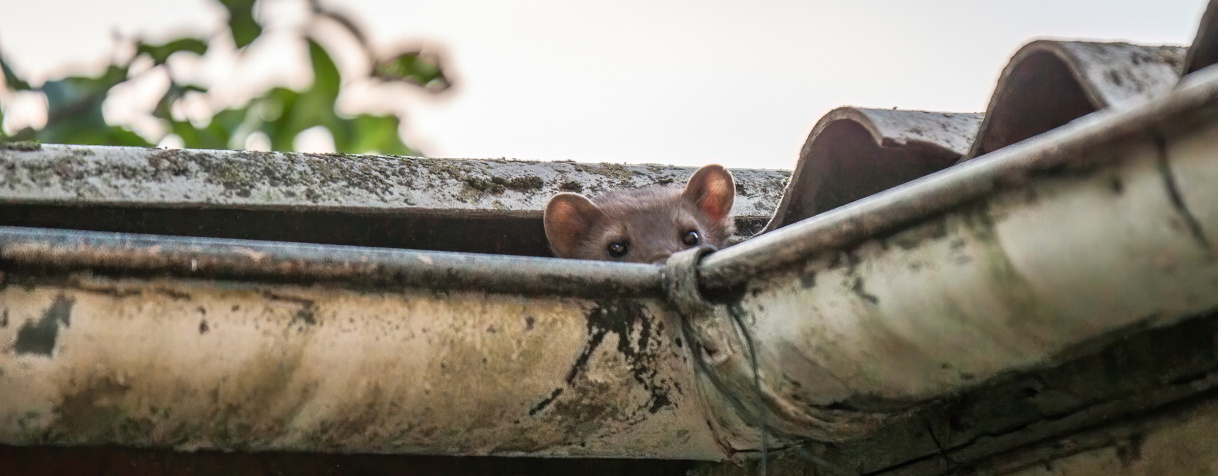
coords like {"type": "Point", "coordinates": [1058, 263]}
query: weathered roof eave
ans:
{"type": "Point", "coordinates": [947, 320]}
{"type": "Point", "coordinates": [998, 266]}
{"type": "Point", "coordinates": [846, 275]}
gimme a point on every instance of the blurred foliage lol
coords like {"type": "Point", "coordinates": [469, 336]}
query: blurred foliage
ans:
{"type": "Point", "coordinates": [241, 21]}
{"type": "Point", "coordinates": [74, 103]}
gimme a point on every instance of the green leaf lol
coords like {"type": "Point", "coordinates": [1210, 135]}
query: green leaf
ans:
{"type": "Point", "coordinates": [86, 130]}
{"type": "Point", "coordinates": [416, 68]}
{"type": "Point", "coordinates": [301, 110]}
{"type": "Point", "coordinates": [161, 53]}
{"type": "Point", "coordinates": [227, 124]}
{"type": "Point", "coordinates": [11, 80]}
{"type": "Point", "coordinates": [66, 93]}
{"type": "Point", "coordinates": [374, 133]}
{"type": "Point", "coordinates": [89, 129]}
{"type": "Point", "coordinates": [241, 21]}
{"type": "Point", "coordinates": [224, 131]}
{"type": "Point", "coordinates": [191, 137]}
{"type": "Point", "coordinates": [118, 135]}
{"type": "Point", "coordinates": [163, 109]}
{"type": "Point", "coordinates": [282, 129]}
{"type": "Point", "coordinates": [326, 79]}
{"type": "Point", "coordinates": [74, 109]}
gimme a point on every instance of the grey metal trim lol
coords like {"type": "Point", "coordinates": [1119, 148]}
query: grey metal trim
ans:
{"type": "Point", "coordinates": [881, 213]}
{"type": "Point", "coordinates": [303, 262]}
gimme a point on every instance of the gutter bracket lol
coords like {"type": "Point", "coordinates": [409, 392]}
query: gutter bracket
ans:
{"type": "Point", "coordinates": [745, 410]}
{"type": "Point", "coordinates": [723, 358]}
{"type": "Point", "coordinates": [705, 333]}
{"type": "Point", "coordinates": [681, 281]}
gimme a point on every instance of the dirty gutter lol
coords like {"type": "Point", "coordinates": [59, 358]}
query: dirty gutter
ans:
{"type": "Point", "coordinates": [310, 263]}
{"type": "Point", "coordinates": [997, 265]}
{"type": "Point", "coordinates": [857, 316]}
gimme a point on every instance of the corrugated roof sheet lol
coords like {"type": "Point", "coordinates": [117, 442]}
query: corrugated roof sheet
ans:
{"type": "Point", "coordinates": [855, 152]}
{"type": "Point", "coordinates": [1204, 51]}
{"type": "Point", "coordinates": [1049, 83]}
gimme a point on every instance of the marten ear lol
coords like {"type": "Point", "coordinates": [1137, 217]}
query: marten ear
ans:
{"type": "Point", "coordinates": [568, 219]}
{"type": "Point", "coordinates": [712, 190]}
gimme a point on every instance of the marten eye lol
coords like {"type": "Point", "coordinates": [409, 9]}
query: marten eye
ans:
{"type": "Point", "coordinates": [618, 249]}
{"type": "Point", "coordinates": [691, 237]}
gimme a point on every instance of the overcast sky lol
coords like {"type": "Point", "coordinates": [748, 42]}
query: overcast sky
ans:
{"type": "Point", "coordinates": [677, 82]}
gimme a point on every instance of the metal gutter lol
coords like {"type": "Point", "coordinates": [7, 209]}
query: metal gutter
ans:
{"type": "Point", "coordinates": [829, 337]}
{"type": "Point", "coordinates": [195, 344]}
{"type": "Point", "coordinates": [859, 316]}
{"type": "Point", "coordinates": [213, 258]}
{"type": "Point", "coordinates": [999, 265]}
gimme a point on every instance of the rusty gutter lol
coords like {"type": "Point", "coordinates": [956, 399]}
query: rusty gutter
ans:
{"type": "Point", "coordinates": [836, 294]}
{"type": "Point", "coordinates": [849, 323]}
{"type": "Point", "coordinates": [192, 344]}
{"type": "Point", "coordinates": [841, 325]}
{"type": "Point", "coordinates": [307, 263]}
{"type": "Point", "coordinates": [885, 212]}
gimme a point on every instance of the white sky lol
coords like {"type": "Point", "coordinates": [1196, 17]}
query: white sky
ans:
{"type": "Point", "coordinates": [677, 82]}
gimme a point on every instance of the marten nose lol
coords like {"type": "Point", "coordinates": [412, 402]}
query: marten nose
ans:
{"type": "Point", "coordinates": [661, 256]}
